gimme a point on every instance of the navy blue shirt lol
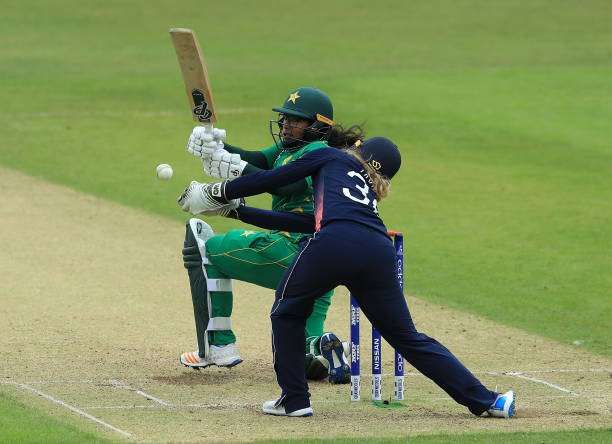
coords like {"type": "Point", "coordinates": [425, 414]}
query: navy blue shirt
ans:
{"type": "Point", "coordinates": [342, 192]}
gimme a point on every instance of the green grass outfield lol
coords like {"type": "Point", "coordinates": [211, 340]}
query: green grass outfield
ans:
{"type": "Point", "coordinates": [582, 436]}
{"type": "Point", "coordinates": [502, 110]}
{"type": "Point", "coordinates": [21, 424]}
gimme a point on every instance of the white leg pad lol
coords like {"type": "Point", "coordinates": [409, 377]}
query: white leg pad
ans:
{"type": "Point", "coordinates": [202, 232]}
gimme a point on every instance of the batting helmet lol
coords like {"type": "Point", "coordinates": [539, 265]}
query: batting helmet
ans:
{"type": "Point", "coordinates": [310, 104]}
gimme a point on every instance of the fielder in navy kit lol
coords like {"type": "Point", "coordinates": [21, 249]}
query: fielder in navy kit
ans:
{"type": "Point", "coordinates": [349, 247]}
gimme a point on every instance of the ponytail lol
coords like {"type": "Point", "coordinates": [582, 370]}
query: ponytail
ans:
{"type": "Point", "coordinates": [338, 137]}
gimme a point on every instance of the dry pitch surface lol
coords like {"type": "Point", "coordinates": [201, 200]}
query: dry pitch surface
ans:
{"type": "Point", "coordinates": [96, 309]}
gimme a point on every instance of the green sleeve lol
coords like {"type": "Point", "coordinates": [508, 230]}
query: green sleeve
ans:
{"type": "Point", "coordinates": [251, 157]}
{"type": "Point", "coordinates": [271, 153]}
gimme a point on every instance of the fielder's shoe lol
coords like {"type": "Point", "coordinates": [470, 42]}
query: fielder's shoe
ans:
{"type": "Point", "coordinates": [503, 407]}
{"type": "Point", "coordinates": [274, 407]}
{"type": "Point", "coordinates": [333, 350]}
{"type": "Point", "coordinates": [219, 355]}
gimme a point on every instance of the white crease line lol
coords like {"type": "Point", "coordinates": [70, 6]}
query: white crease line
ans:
{"type": "Point", "coordinates": [511, 372]}
{"type": "Point", "coordinates": [409, 398]}
{"type": "Point", "coordinates": [66, 381]}
{"type": "Point", "coordinates": [408, 373]}
{"type": "Point", "coordinates": [122, 407]}
{"type": "Point", "coordinates": [177, 407]}
{"type": "Point", "coordinates": [123, 385]}
{"type": "Point", "coordinates": [73, 409]}
{"type": "Point", "coordinates": [568, 370]}
{"type": "Point", "coordinates": [541, 381]}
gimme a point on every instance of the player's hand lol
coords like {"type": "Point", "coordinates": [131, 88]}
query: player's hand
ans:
{"type": "Point", "coordinates": [219, 134]}
{"type": "Point", "coordinates": [204, 139]}
{"type": "Point", "coordinates": [206, 198]}
{"type": "Point", "coordinates": [207, 149]}
{"type": "Point", "coordinates": [200, 136]}
{"type": "Point", "coordinates": [224, 165]}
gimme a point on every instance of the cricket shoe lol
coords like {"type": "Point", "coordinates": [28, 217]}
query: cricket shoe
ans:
{"type": "Point", "coordinates": [275, 408]}
{"type": "Point", "coordinates": [219, 355]}
{"type": "Point", "coordinates": [317, 367]}
{"type": "Point", "coordinates": [503, 407]}
{"type": "Point", "coordinates": [334, 352]}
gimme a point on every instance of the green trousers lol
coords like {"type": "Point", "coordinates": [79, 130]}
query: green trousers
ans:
{"type": "Point", "coordinates": [260, 258]}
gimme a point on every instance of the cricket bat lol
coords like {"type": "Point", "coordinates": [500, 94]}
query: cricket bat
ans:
{"type": "Point", "coordinates": [195, 75]}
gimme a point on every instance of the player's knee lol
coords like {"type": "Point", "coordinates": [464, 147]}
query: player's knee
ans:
{"type": "Point", "coordinates": [214, 244]}
{"type": "Point", "coordinates": [288, 308]}
{"type": "Point", "coordinates": [197, 232]}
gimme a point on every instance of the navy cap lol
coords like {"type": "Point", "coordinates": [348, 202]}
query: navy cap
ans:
{"type": "Point", "coordinates": [382, 155]}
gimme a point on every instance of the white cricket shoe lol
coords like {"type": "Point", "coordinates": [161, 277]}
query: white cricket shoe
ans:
{"type": "Point", "coordinates": [219, 355]}
{"type": "Point", "coordinates": [275, 408]}
{"type": "Point", "coordinates": [193, 360]}
{"type": "Point", "coordinates": [503, 407]}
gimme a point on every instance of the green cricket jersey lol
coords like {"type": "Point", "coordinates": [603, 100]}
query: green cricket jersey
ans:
{"type": "Point", "coordinates": [301, 201]}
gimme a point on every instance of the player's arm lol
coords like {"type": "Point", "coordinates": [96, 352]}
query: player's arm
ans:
{"type": "Point", "coordinates": [266, 181]}
{"type": "Point", "coordinates": [275, 220]}
{"type": "Point", "coordinates": [264, 160]}
{"type": "Point", "coordinates": [198, 198]}
{"type": "Point", "coordinates": [225, 161]}
{"type": "Point", "coordinates": [256, 159]}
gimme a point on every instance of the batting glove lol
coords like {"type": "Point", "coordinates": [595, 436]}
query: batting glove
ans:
{"type": "Point", "coordinates": [224, 165]}
{"type": "Point", "coordinates": [204, 139]}
{"type": "Point", "coordinates": [219, 134]}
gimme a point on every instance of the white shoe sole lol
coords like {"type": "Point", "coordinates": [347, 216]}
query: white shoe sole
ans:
{"type": "Point", "coordinates": [280, 411]}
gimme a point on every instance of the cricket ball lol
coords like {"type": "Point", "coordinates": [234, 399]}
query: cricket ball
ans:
{"type": "Point", "coordinates": [164, 171]}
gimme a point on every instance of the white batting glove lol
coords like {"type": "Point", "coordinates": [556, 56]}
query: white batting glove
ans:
{"type": "Point", "coordinates": [205, 136]}
{"type": "Point", "coordinates": [219, 134]}
{"type": "Point", "coordinates": [207, 149]}
{"type": "Point", "coordinates": [196, 140]}
{"type": "Point", "coordinates": [206, 198]}
{"type": "Point", "coordinates": [224, 165]}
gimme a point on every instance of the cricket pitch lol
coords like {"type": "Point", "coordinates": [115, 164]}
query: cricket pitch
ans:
{"type": "Point", "coordinates": [97, 310]}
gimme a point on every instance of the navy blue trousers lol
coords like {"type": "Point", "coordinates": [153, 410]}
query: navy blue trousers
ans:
{"type": "Point", "coordinates": [363, 260]}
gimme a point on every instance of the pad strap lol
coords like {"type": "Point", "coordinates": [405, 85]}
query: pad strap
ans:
{"type": "Point", "coordinates": [219, 284]}
{"type": "Point", "coordinates": [220, 323]}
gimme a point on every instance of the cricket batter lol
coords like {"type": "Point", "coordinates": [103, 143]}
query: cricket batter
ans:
{"type": "Point", "coordinates": [305, 124]}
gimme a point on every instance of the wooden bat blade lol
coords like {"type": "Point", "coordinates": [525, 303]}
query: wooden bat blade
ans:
{"type": "Point", "coordinates": [195, 75]}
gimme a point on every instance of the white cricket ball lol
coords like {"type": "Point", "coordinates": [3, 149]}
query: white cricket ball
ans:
{"type": "Point", "coordinates": [164, 171]}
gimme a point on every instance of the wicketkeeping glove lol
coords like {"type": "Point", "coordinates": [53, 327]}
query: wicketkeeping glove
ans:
{"type": "Point", "coordinates": [206, 198]}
